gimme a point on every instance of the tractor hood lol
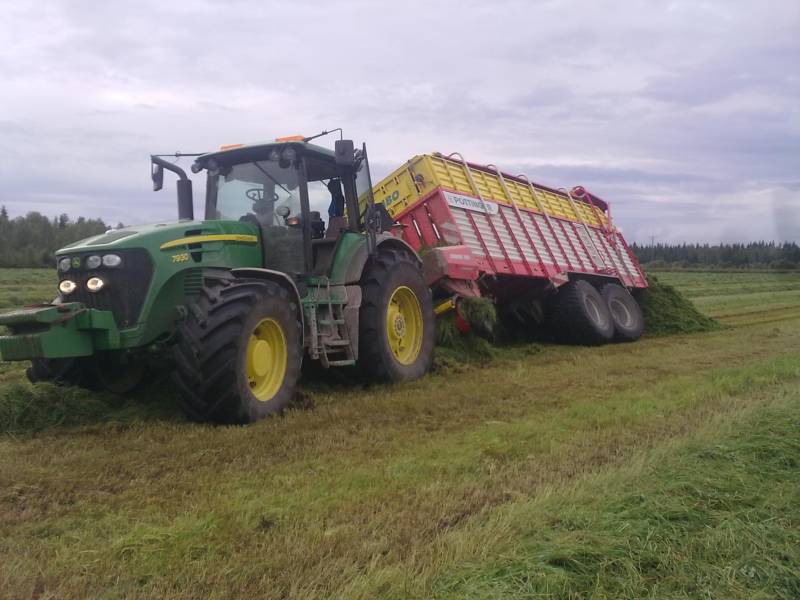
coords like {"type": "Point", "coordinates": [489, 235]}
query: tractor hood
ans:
{"type": "Point", "coordinates": [163, 236]}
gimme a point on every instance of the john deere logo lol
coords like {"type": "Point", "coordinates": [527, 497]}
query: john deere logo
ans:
{"type": "Point", "coordinates": [76, 263]}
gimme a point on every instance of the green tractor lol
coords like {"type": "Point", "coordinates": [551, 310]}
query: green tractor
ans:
{"type": "Point", "coordinates": [234, 302]}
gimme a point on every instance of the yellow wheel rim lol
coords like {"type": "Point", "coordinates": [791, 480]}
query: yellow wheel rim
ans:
{"type": "Point", "coordinates": [404, 325]}
{"type": "Point", "coordinates": [266, 359]}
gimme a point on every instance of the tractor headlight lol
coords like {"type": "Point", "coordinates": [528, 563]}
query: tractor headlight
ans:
{"type": "Point", "coordinates": [64, 264]}
{"type": "Point", "coordinates": [93, 262]}
{"type": "Point", "coordinates": [67, 286]}
{"type": "Point", "coordinates": [95, 284]}
{"type": "Point", "coordinates": [112, 260]}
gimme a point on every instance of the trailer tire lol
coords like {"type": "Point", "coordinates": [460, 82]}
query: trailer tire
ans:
{"type": "Point", "coordinates": [396, 319]}
{"type": "Point", "coordinates": [239, 353]}
{"type": "Point", "coordinates": [625, 313]}
{"type": "Point", "coordinates": [579, 315]}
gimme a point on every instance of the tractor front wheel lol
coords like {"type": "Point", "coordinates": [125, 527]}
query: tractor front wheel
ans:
{"type": "Point", "coordinates": [396, 320]}
{"type": "Point", "coordinates": [77, 372]}
{"type": "Point", "coordinates": [239, 352]}
{"type": "Point", "coordinates": [111, 371]}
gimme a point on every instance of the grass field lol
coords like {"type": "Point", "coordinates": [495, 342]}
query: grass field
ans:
{"type": "Point", "coordinates": [665, 468]}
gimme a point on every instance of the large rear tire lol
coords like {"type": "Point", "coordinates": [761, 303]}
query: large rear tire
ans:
{"type": "Point", "coordinates": [239, 352]}
{"type": "Point", "coordinates": [396, 320]}
{"type": "Point", "coordinates": [579, 315]}
{"type": "Point", "coordinates": [625, 313]}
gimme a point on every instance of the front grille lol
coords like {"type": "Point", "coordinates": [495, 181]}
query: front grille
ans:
{"type": "Point", "coordinates": [125, 290]}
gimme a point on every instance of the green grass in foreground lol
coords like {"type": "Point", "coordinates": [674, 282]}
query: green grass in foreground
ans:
{"type": "Point", "coordinates": [661, 468]}
{"type": "Point", "coordinates": [714, 516]}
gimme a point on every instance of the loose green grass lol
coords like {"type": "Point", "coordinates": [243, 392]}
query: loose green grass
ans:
{"type": "Point", "coordinates": [714, 516]}
{"type": "Point", "coordinates": [25, 408]}
{"type": "Point", "coordinates": [667, 310]}
{"type": "Point", "coordinates": [505, 476]}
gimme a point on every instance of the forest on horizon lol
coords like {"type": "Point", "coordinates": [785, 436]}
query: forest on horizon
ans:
{"type": "Point", "coordinates": [32, 241]}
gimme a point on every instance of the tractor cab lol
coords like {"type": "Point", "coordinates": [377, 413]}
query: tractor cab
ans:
{"type": "Point", "coordinates": [300, 196]}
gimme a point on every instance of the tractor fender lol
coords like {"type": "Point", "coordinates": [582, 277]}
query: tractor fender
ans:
{"type": "Point", "coordinates": [359, 260]}
{"type": "Point", "coordinates": [283, 280]}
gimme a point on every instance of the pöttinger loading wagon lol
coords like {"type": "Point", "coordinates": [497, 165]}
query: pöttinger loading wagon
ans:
{"type": "Point", "coordinates": [546, 256]}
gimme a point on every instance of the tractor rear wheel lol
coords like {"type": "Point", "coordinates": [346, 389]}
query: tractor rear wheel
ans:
{"type": "Point", "coordinates": [239, 352]}
{"type": "Point", "coordinates": [625, 313]}
{"type": "Point", "coordinates": [579, 315]}
{"type": "Point", "coordinates": [396, 319]}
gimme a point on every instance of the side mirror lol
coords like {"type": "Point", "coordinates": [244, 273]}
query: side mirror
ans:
{"type": "Point", "coordinates": [157, 175]}
{"type": "Point", "coordinates": [184, 185]}
{"type": "Point", "coordinates": [345, 153]}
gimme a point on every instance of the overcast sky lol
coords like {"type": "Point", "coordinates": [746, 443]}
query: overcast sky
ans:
{"type": "Point", "coordinates": [684, 115]}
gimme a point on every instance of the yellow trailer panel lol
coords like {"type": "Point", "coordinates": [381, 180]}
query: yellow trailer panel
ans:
{"type": "Point", "coordinates": [425, 172]}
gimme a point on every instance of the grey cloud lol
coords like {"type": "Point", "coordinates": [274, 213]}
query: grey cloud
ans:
{"type": "Point", "coordinates": [680, 114]}
{"type": "Point", "coordinates": [765, 69]}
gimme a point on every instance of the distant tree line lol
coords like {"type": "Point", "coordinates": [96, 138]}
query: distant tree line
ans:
{"type": "Point", "coordinates": [754, 255]}
{"type": "Point", "coordinates": [31, 241]}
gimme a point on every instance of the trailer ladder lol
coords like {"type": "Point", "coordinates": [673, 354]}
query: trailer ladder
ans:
{"type": "Point", "coordinates": [487, 215]}
{"type": "Point", "coordinates": [612, 241]}
{"type": "Point", "coordinates": [521, 224]}
{"type": "Point", "coordinates": [556, 238]}
{"type": "Point", "coordinates": [586, 239]}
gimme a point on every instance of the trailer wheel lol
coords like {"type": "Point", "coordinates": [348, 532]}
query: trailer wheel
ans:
{"type": "Point", "coordinates": [239, 352]}
{"type": "Point", "coordinates": [396, 320]}
{"type": "Point", "coordinates": [625, 313]}
{"type": "Point", "coordinates": [579, 315]}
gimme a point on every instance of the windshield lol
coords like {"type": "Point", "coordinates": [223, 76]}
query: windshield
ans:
{"type": "Point", "coordinates": [264, 191]}
{"type": "Point", "coordinates": [363, 184]}
{"type": "Point", "coordinates": [267, 194]}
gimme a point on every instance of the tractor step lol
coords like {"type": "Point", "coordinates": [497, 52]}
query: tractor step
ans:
{"type": "Point", "coordinates": [331, 321]}
{"type": "Point", "coordinates": [341, 363]}
{"type": "Point", "coordinates": [336, 343]}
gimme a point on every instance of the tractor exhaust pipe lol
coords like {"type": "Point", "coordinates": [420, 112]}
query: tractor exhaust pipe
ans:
{"type": "Point", "coordinates": [184, 185]}
{"type": "Point", "coordinates": [185, 200]}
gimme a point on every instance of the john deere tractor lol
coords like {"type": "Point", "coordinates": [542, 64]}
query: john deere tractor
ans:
{"type": "Point", "coordinates": [232, 303]}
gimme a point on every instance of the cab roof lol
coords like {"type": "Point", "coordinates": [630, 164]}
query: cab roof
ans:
{"type": "Point", "coordinates": [248, 152]}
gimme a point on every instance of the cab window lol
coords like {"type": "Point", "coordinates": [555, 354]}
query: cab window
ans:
{"type": "Point", "coordinates": [263, 191]}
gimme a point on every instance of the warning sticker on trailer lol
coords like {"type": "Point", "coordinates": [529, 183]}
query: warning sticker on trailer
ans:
{"type": "Point", "coordinates": [470, 203]}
